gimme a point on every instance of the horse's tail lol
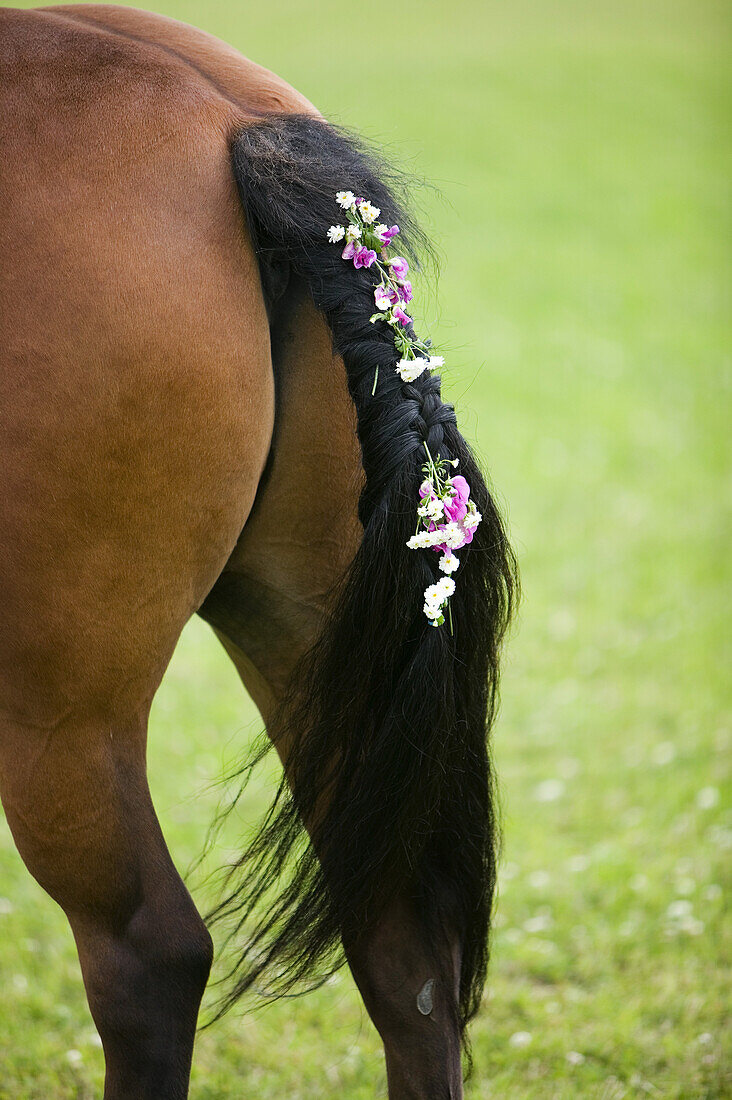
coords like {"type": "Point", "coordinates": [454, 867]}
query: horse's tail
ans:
{"type": "Point", "coordinates": [388, 715]}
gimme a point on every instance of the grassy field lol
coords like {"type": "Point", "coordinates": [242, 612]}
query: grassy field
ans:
{"type": "Point", "coordinates": [582, 155]}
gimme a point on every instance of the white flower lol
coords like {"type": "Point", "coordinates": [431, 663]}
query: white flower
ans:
{"type": "Point", "coordinates": [663, 754]}
{"type": "Point", "coordinates": [437, 537]}
{"type": "Point", "coordinates": [542, 922]}
{"type": "Point", "coordinates": [577, 864]}
{"type": "Point", "coordinates": [452, 535]}
{"type": "Point", "coordinates": [446, 585]}
{"type": "Point", "coordinates": [433, 594]}
{"type": "Point", "coordinates": [336, 233]}
{"type": "Point", "coordinates": [448, 562]}
{"type": "Point", "coordinates": [426, 487]}
{"type": "Point", "coordinates": [707, 798]}
{"type": "Point", "coordinates": [436, 361]}
{"type": "Point", "coordinates": [424, 539]}
{"type": "Point", "coordinates": [369, 213]}
{"type": "Point", "coordinates": [549, 790]}
{"type": "Point", "coordinates": [472, 519]}
{"type": "Point", "coordinates": [431, 508]}
{"type": "Point", "coordinates": [353, 232]}
{"type": "Point", "coordinates": [346, 199]}
{"type": "Point", "coordinates": [409, 369]}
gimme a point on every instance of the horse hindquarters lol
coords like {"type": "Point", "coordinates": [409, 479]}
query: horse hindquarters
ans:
{"type": "Point", "coordinates": [136, 407]}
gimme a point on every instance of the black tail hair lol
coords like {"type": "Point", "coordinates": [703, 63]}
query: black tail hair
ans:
{"type": "Point", "coordinates": [389, 764]}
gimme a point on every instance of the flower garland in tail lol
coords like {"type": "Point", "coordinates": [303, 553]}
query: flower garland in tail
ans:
{"type": "Point", "coordinates": [446, 516]}
{"type": "Point", "coordinates": [366, 242]}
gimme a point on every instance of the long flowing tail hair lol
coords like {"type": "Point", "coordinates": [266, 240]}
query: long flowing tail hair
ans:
{"type": "Point", "coordinates": [388, 717]}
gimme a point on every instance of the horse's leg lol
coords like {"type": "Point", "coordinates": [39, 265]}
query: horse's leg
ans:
{"type": "Point", "coordinates": [409, 986]}
{"type": "Point", "coordinates": [267, 608]}
{"type": "Point", "coordinates": [78, 804]}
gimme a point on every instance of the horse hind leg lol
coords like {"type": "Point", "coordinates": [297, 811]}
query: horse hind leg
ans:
{"type": "Point", "coordinates": [79, 807]}
{"type": "Point", "coordinates": [267, 609]}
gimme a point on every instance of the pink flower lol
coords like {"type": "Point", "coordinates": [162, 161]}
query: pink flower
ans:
{"type": "Point", "coordinates": [456, 507]}
{"type": "Point", "coordinates": [386, 235]}
{"type": "Point", "coordinates": [364, 257]}
{"type": "Point", "coordinates": [399, 267]}
{"type": "Point", "coordinates": [384, 298]}
{"type": "Point", "coordinates": [405, 291]}
{"type": "Point", "coordinates": [348, 251]}
{"type": "Point", "coordinates": [460, 486]}
{"type": "Point", "coordinates": [402, 317]}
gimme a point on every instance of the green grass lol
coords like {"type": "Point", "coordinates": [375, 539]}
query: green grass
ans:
{"type": "Point", "coordinates": [582, 154]}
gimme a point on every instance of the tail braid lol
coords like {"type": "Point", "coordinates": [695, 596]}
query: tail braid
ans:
{"type": "Point", "coordinates": [382, 694]}
{"type": "Point", "coordinates": [396, 418]}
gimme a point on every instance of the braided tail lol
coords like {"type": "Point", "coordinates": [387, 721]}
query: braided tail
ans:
{"type": "Point", "coordinates": [389, 764]}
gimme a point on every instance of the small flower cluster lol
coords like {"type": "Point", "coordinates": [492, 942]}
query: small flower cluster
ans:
{"type": "Point", "coordinates": [446, 520]}
{"type": "Point", "coordinates": [365, 243]}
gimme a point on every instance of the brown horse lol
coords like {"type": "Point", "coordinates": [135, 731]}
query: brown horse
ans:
{"type": "Point", "coordinates": [187, 425]}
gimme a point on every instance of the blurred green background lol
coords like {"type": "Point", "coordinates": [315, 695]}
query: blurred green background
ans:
{"type": "Point", "coordinates": [582, 156]}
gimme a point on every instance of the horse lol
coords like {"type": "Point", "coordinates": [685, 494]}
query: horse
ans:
{"type": "Point", "coordinates": [190, 425]}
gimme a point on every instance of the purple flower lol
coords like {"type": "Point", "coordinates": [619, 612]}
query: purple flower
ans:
{"type": "Point", "coordinates": [461, 487]}
{"type": "Point", "coordinates": [384, 298]}
{"type": "Point", "coordinates": [399, 267]}
{"type": "Point", "coordinates": [401, 316]}
{"type": "Point", "coordinates": [456, 507]}
{"type": "Point", "coordinates": [468, 533]}
{"type": "Point", "coordinates": [405, 291]}
{"type": "Point", "coordinates": [364, 257]}
{"type": "Point", "coordinates": [348, 251]}
{"type": "Point", "coordinates": [387, 235]}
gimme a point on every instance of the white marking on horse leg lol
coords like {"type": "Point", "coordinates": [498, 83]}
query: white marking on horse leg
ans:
{"type": "Point", "coordinates": [424, 997]}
